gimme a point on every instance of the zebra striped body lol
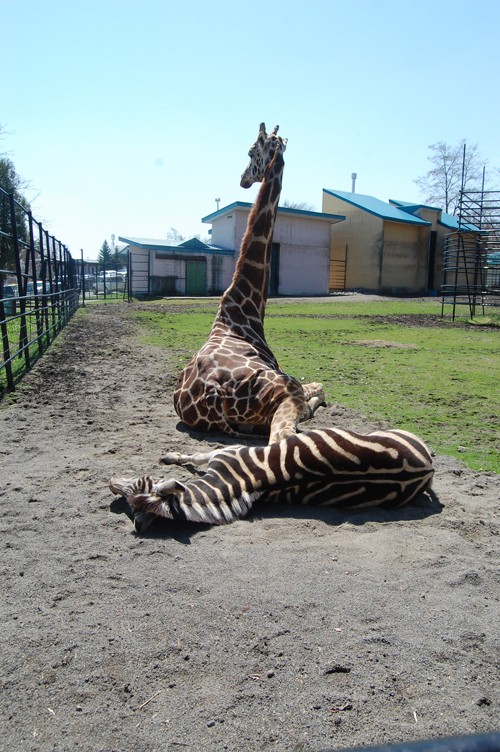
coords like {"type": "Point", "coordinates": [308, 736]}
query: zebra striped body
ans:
{"type": "Point", "coordinates": [329, 467]}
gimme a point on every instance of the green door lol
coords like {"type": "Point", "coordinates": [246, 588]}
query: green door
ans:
{"type": "Point", "coordinates": [196, 277]}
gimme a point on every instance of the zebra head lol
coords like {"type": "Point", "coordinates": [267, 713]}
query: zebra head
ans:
{"type": "Point", "coordinates": [149, 498]}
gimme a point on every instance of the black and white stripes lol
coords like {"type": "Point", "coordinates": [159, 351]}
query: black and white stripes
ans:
{"type": "Point", "coordinates": [329, 467]}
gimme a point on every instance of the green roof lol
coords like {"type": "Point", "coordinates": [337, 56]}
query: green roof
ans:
{"type": "Point", "coordinates": [194, 245]}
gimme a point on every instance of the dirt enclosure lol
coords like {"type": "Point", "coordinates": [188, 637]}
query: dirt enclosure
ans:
{"type": "Point", "coordinates": [296, 629]}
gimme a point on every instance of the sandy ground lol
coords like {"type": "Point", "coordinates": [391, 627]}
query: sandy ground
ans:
{"type": "Point", "coordinates": [291, 630]}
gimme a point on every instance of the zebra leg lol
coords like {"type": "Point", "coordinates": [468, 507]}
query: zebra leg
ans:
{"type": "Point", "coordinates": [198, 458]}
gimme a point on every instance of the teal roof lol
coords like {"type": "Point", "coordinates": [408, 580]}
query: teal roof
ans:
{"type": "Point", "coordinates": [453, 223]}
{"type": "Point", "coordinates": [377, 207]}
{"type": "Point", "coordinates": [281, 210]}
{"type": "Point", "coordinates": [446, 220]}
{"type": "Point", "coordinates": [412, 207]}
{"type": "Point", "coordinates": [186, 246]}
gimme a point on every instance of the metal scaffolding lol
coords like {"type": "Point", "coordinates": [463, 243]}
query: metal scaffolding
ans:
{"type": "Point", "coordinates": [472, 253]}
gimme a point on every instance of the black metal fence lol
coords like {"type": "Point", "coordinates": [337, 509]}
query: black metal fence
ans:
{"type": "Point", "coordinates": [39, 289]}
{"type": "Point", "coordinates": [103, 283]}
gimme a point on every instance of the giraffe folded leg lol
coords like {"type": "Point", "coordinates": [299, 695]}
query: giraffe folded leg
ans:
{"type": "Point", "coordinates": [312, 406]}
{"type": "Point", "coordinates": [314, 395]}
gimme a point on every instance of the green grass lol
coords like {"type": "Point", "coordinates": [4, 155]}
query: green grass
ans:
{"type": "Point", "coordinates": [439, 381]}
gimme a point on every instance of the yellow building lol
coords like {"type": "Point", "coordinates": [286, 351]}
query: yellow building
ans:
{"type": "Point", "coordinates": [391, 247]}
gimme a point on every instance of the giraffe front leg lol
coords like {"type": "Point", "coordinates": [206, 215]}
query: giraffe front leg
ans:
{"type": "Point", "coordinates": [300, 404]}
{"type": "Point", "coordinates": [285, 419]}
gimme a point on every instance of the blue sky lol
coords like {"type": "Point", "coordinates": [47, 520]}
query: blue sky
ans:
{"type": "Point", "coordinates": [130, 117]}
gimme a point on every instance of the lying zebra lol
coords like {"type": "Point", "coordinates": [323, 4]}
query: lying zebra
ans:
{"type": "Point", "coordinates": [328, 467]}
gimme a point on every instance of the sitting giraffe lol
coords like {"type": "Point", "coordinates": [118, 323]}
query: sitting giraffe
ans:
{"type": "Point", "coordinates": [234, 383]}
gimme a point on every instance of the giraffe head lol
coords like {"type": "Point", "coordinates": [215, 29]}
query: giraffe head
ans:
{"type": "Point", "coordinates": [261, 155]}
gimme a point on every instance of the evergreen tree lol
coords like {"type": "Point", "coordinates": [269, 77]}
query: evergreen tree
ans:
{"type": "Point", "coordinates": [117, 260]}
{"type": "Point", "coordinates": [105, 256]}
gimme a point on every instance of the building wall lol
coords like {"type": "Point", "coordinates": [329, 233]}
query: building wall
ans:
{"type": "Point", "coordinates": [357, 241]}
{"type": "Point", "coordinates": [405, 256]}
{"type": "Point", "coordinates": [428, 214]}
{"type": "Point", "coordinates": [171, 270]}
{"type": "Point", "coordinates": [304, 255]}
{"type": "Point", "coordinates": [224, 229]}
{"type": "Point", "coordinates": [379, 254]}
{"type": "Point", "coordinates": [304, 249]}
{"type": "Point", "coordinates": [303, 272]}
{"type": "Point", "coordinates": [159, 272]}
{"type": "Point", "coordinates": [433, 216]}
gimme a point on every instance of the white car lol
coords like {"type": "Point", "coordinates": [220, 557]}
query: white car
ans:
{"type": "Point", "coordinates": [110, 282]}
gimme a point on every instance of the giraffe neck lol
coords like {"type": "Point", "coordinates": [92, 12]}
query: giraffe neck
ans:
{"type": "Point", "coordinates": [244, 302]}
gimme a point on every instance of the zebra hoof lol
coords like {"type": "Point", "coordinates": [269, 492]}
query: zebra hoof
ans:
{"type": "Point", "coordinates": [172, 458]}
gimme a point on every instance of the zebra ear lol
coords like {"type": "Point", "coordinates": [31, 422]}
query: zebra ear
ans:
{"type": "Point", "coordinates": [169, 486]}
{"type": "Point", "coordinates": [131, 486]}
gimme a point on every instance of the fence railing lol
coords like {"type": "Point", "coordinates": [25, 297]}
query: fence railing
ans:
{"type": "Point", "coordinates": [104, 283]}
{"type": "Point", "coordinates": [38, 289]}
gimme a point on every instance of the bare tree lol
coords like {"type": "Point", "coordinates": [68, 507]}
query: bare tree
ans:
{"type": "Point", "coordinates": [174, 236]}
{"type": "Point", "coordinates": [442, 184]}
{"type": "Point", "coordinates": [300, 205]}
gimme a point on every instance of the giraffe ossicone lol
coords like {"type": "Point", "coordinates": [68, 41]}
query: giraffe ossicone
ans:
{"type": "Point", "coordinates": [261, 154]}
{"type": "Point", "coordinates": [234, 383]}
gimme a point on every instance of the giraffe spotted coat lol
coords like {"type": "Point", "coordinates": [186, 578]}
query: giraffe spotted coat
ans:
{"type": "Point", "coordinates": [234, 383]}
